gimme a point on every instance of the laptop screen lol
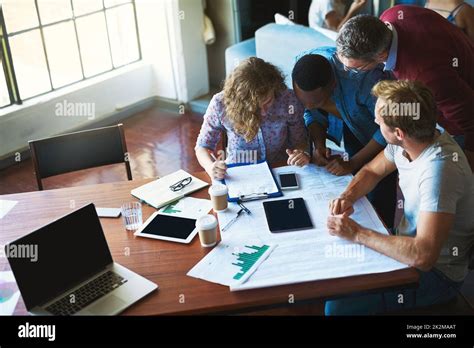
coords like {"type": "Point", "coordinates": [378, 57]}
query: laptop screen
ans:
{"type": "Point", "coordinates": [58, 256]}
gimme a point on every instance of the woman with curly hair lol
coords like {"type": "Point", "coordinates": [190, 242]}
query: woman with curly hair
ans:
{"type": "Point", "coordinates": [262, 118]}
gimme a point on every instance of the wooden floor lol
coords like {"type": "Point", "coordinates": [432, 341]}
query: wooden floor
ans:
{"type": "Point", "coordinates": [158, 142]}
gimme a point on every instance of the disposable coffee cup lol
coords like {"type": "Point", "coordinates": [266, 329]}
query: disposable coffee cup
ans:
{"type": "Point", "coordinates": [218, 193]}
{"type": "Point", "coordinates": [207, 227]}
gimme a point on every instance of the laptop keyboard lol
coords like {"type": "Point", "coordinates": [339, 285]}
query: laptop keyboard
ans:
{"type": "Point", "coordinates": [85, 295]}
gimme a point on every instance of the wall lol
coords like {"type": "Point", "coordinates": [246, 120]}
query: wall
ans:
{"type": "Point", "coordinates": [221, 13]}
{"type": "Point", "coordinates": [190, 52]}
{"type": "Point", "coordinates": [173, 66]}
{"type": "Point", "coordinates": [37, 119]}
{"type": "Point", "coordinates": [155, 45]}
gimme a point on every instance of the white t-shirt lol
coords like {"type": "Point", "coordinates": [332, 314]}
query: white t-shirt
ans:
{"type": "Point", "coordinates": [320, 8]}
{"type": "Point", "coordinates": [439, 180]}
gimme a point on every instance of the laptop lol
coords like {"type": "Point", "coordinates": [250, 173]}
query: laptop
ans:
{"type": "Point", "coordinates": [65, 268]}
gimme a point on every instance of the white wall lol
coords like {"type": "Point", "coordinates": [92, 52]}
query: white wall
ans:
{"type": "Point", "coordinates": [37, 118]}
{"type": "Point", "coordinates": [221, 12]}
{"type": "Point", "coordinates": [190, 55]}
{"type": "Point", "coordinates": [155, 45]}
{"type": "Point", "coordinates": [173, 66]}
{"type": "Point", "coordinates": [171, 38]}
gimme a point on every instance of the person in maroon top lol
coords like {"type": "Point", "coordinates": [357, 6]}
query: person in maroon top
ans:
{"type": "Point", "coordinates": [418, 44]}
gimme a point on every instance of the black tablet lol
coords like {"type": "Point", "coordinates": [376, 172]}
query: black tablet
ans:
{"type": "Point", "coordinates": [171, 228]}
{"type": "Point", "coordinates": [287, 215]}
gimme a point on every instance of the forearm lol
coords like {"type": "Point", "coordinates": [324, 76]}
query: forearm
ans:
{"type": "Point", "coordinates": [364, 182]}
{"type": "Point", "coordinates": [318, 135]}
{"type": "Point", "coordinates": [401, 248]}
{"type": "Point", "coordinates": [204, 157]}
{"type": "Point", "coordinates": [349, 15]}
{"type": "Point", "coordinates": [365, 155]}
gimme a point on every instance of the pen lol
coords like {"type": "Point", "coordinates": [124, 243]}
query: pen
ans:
{"type": "Point", "coordinates": [243, 207]}
{"type": "Point", "coordinates": [232, 221]}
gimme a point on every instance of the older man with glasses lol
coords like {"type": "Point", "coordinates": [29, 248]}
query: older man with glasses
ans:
{"type": "Point", "coordinates": [418, 44]}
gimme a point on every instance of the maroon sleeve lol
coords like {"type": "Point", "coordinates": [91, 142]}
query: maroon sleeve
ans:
{"type": "Point", "coordinates": [454, 99]}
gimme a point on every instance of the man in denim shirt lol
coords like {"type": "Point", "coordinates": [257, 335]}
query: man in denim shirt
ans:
{"type": "Point", "coordinates": [339, 105]}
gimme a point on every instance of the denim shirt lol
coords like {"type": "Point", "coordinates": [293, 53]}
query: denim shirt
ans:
{"type": "Point", "coordinates": [353, 99]}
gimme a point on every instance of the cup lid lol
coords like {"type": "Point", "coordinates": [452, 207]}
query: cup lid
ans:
{"type": "Point", "coordinates": [206, 222]}
{"type": "Point", "coordinates": [218, 190]}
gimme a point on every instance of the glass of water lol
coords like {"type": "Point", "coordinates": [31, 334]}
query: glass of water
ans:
{"type": "Point", "coordinates": [132, 215]}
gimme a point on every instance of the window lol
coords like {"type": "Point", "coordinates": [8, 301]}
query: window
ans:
{"type": "Point", "coordinates": [50, 44]}
{"type": "Point", "coordinates": [4, 97]}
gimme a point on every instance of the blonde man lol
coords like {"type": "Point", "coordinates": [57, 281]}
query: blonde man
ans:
{"type": "Point", "coordinates": [436, 232]}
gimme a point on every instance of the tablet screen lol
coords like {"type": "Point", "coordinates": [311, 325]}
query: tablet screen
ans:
{"type": "Point", "coordinates": [170, 226]}
{"type": "Point", "coordinates": [287, 215]}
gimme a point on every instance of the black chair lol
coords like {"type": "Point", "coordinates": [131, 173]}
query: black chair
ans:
{"type": "Point", "coordinates": [80, 150]}
{"type": "Point", "coordinates": [471, 259]}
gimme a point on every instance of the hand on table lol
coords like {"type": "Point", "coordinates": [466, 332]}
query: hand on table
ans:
{"type": "Point", "coordinates": [341, 205]}
{"type": "Point", "coordinates": [343, 226]}
{"type": "Point", "coordinates": [297, 158]}
{"type": "Point", "coordinates": [338, 166]}
{"type": "Point", "coordinates": [321, 156]}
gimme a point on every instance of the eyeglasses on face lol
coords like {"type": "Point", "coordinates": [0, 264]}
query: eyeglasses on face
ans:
{"type": "Point", "coordinates": [181, 184]}
{"type": "Point", "coordinates": [357, 70]}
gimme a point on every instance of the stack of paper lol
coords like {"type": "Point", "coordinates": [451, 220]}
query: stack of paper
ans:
{"type": "Point", "coordinates": [307, 255]}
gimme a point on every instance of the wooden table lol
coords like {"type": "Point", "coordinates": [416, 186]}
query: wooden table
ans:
{"type": "Point", "coordinates": [167, 263]}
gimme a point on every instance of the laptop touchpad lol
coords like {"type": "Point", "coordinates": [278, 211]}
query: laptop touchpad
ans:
{"type": "Point", "coordinates": [107, 305]}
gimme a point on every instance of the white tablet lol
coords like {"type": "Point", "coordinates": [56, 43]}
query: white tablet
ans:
{"type": "Point", "coordinates": [168, 227]}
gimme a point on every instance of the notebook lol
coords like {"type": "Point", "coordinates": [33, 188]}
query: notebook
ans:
{"type": "Point", "coordinates": [158, 193]}
{"type": "Point", "coordinates": [287, 215]}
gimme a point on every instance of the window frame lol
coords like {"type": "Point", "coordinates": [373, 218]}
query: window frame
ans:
{"type": "Point", "coordinates": [8, 60]}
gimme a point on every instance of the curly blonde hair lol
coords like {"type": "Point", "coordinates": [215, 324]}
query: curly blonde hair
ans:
{"type": "Point", "coordinates": [249, 84]}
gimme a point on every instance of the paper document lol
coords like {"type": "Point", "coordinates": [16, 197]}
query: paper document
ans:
{"type": "Point", "coordinates": [158, 193]}
{"type": "Point", "coordinates": [9, 293]}
{"type": "Point", "coordinates": [6, 206]}
{"type": "Point", "coordinates": [231, 263]}
{"type": "Point", "coordinates": [306, 255]}
{"type": "Point", "coordinates": [187, 207]}
{"type": "Point", "coordinates": [250, 179]}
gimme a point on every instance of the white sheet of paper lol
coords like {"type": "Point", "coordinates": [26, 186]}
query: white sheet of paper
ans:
{"type": "Point", "coordinates": [231, 263]}
{"type": "Point", "coordinates": [310, 254]}
{"type": "Point", "coordinates": [250, 179]}
{"type": "Point", "coordinates": [6, 206]}
{"type": "Point", "coordinates": [187, 207]}
{"type": "Point", "coordinates": [9, 293]}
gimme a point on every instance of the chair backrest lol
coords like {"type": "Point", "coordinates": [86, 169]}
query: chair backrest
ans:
{"type": "Point", "coordinates": [471, 259]}
{"type": "Point", "coordinates": [80, 150]}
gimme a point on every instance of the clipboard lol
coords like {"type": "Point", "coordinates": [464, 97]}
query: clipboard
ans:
{"type": "Point", "coordinates": [255, 195]}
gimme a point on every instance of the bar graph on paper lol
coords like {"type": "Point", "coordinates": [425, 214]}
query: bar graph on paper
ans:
{"type": "Point", "coordinates": [246, 260]}
{"type": "Point", "coordinates": [230, 263]}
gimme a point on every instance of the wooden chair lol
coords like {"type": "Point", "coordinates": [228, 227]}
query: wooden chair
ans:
{"type": "Point", "coordinates": [80, 150]}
